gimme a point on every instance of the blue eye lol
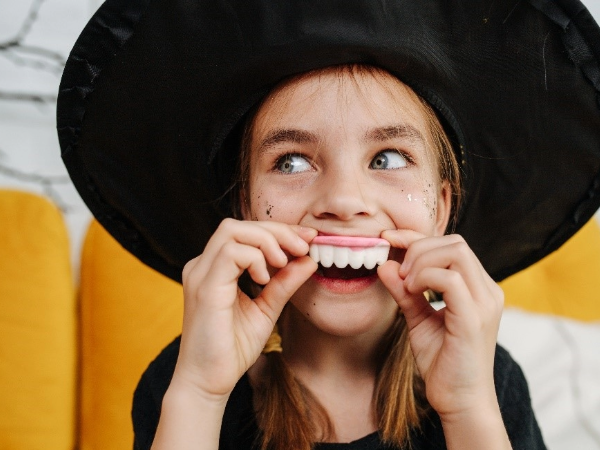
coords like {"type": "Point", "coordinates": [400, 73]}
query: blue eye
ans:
{"type": "Point", "coordinates": [291, 163]}
{"type": "Point", "coordinates": [388, 159]}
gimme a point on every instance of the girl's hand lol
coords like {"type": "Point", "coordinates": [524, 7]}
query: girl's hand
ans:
{"type": "Point", "coordinates": [454, 348]}
{"type": "Point", "coordinates": [224, 331]}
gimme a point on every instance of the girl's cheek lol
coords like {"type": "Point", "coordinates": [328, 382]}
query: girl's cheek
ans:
{"type": "Point", "coordinates": [253, 210]}
{"type": "Point", "coordinates": [422, 203]}
{"type": "Point", "coordinates": [261, 207]}
{"type": "Point", "coordinates": [284, 207]}
{"type": "Point", "coordinates": [430, 202]}
{"type": "Point", "coordinates": [268, 207]}
{"type": "Point", "coordinates": [264, 209]}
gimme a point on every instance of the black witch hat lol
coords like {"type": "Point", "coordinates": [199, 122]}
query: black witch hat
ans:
{"type": "Point", "coordinates": [154, 92]}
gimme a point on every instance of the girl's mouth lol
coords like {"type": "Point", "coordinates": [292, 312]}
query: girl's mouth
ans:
{"type": "Point", "coordinates": [348, 257]}
{"type": "Point", "coordinates": [346, 273]}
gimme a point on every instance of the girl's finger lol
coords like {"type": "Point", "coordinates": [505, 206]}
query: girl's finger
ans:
{"type": "Point", "coordinates": [273, 238]}
{"type": "Point", "coordinates": [248, 233]}
{"type": "Point", "coordinates": [451, 284]}
{"type": "Point", "coordinates": [292, 238]}
{"type": "Point", "coordinates": [268, 238]}
{"type": "Point", "coordinates": [401, 238]}
{"type": "Point", "coordinates": [306, 233]}
{"type": "Point", "coordinates": [228, 265]}
{"type": "Point", "coordinates": [283, 285]}
{"type": "Point", "coordinates": [455, 256]}
{"type": "Point", "coordinates": [189, 267]}
{"type": "Point", "coordinates": [421, 246]}
{"type": "Point", "coordinates": [415, 307]}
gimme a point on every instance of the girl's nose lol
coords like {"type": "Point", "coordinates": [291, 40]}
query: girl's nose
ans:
{"type": "Point", "coordinates": [342, 196]}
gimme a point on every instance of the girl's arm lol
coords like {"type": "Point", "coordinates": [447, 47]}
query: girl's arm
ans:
{"type": "Point", "coordinates": [224, 331]}
{"type": "Point", "coordinates": [454, 348]}
{"type": "Point", "coordinates": [189, 419]}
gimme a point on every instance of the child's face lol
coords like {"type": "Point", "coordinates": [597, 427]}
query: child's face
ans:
{"type": "Point", "coordinates": [346, 155]}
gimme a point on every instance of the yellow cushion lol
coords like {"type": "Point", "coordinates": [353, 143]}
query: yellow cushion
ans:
{"type": "Point", "coordinates": [128, 314]}
{"type": "Point", "coordinates": [37, 326]}
{"type": "Point", "coordinates": [565, 283]}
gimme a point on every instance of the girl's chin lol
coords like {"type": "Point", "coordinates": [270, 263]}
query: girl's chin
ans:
{"type": "Point", "coordinates": [345, 307]}
{"type": "Point", "coordinates": [349, 322]}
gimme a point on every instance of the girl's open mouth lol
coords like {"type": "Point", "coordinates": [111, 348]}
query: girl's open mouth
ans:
{"type": "Point", "coordinates": [348, 257]}
{"type": "Point", "coordinates": [346, 273]}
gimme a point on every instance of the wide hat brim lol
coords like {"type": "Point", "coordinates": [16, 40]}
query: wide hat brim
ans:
{"type": "Point", "coordinates": [153, 93]}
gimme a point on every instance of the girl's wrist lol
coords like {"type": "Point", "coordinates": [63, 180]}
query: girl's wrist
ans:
{"type": "Point", "coordinates": [182, 390]}
{"type": "Point", "coordinates": [455, 402]}
{"type": "Point", "coordinates": [478, 427]}
{"type": "Point", "coordinates": [189, 419]}
{"type": "Point", "coordinates": [477, 413]}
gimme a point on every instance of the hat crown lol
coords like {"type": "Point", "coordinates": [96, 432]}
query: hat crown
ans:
{"type": "Point", "coordinates": [154, 91]}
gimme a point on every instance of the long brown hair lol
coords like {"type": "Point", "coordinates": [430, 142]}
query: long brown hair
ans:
{"type": "Point", "coordinates": [288, 414]}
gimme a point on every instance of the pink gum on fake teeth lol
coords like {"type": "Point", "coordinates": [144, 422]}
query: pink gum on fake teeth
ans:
{"type": "Point", "coordinates": [342, 251]}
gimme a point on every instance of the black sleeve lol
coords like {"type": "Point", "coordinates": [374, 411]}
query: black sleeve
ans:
{"type": "Point", "coordinates": [238, 431]}
{"type": "Point", "coordinates": [148, 396]}
{"type": "Point", "coordinates": [515, 404]}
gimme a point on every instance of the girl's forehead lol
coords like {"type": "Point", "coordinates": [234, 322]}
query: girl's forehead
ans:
{"type": "Point", "coordinates": [369, 95]}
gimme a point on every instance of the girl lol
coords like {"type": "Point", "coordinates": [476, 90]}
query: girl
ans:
{"type": "Point", "coordinates": [347, 151]}
{"type": "Point", "coordinates": [292, 337]}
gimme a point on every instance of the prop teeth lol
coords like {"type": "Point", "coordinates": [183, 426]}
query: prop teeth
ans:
{"type": "Point", "coordinates": [354, 256]}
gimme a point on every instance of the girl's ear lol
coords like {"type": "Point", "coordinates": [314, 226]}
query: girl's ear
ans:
{"type": "Point", "coordinates": [444, 208]}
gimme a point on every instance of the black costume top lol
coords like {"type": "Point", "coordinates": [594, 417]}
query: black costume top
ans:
{"type": "Point", "coordinates": [239, 429]}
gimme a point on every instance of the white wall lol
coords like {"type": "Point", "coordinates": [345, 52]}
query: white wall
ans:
{"type": "Point", "coordinates": [29, 151]}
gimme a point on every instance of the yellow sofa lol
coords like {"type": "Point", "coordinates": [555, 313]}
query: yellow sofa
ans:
{"type": "Point", "coordinates": [37, 326]}
{"type": "Point", "coordinates": [71, 357]}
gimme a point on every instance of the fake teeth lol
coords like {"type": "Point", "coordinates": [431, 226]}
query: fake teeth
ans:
{"type": "Point", "coordinates": [342, 251]}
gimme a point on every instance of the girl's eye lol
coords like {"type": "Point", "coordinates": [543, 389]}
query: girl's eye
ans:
{"type": "Point", "coordinates": [388, 159]}
{"type": "Point", "coordinates": [291, 163]}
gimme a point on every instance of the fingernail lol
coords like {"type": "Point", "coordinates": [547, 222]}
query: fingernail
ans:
{"type": "Point", "coordinates": [403, 269]}
{"type": "Point", "coordinates": [303, 244]}
{"type": "Point", "coordinates": [284, 257]}
{"type": "Point", "coordinates": [308, 230]}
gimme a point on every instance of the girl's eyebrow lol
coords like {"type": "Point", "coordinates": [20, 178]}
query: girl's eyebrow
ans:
{"type": "Point", "coordinates": [283, 135]}
{"type": "Point", "coordinates": [390, 132]}
{"type": "Point", "coordinates": [379, 134]}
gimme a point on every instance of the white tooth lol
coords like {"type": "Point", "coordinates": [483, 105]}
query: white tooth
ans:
{"type": "Point", "coordinates": [340, 257]}
{"type": "Point", "coordinates": [313, 252]}
{"type": "Point", "coordinates": [326, 255]}
{"type": "Point", "coordinates": [381, 254]}
{"type": "Point", "coordinates": [370, 259]}
{"type": "Point", "coordinates": [356, 258]}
